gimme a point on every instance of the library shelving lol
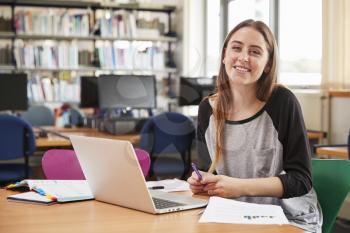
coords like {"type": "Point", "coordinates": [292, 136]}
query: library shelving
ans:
{"type": "Point", "coordinates": [85, 37]}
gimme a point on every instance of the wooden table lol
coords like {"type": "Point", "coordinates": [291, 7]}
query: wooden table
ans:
{"type": "Point", "coordinates": [316, 135]}
{"type": "Point", "coordinates": [57, 141]}
{"type": "Point", "coordinates": [339, 152]}
{"type": "Point", "coordinates": [94, 216]}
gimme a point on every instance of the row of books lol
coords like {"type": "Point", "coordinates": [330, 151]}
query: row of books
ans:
{"type": "Point", "coordinates": [5, 20]}
{"type": "Point", "coordinates": [43, 89]}
{"type": "Point", "coordinates": [5, 53]}
{"type": "Point", "coordinates": [117, 24]}
{"type": "Point", "coordinates": [72, 55]}
{"type": "Point", "coordinates": [65, 22]}
{"type": "Point", "coordinates": [79, 22]}
{"type": "Point", "coordinates": [133, 56]}
{"type": "Point", "coordinates": [51, 54]}
{"type": "Point", "coordinates": [124, 24]}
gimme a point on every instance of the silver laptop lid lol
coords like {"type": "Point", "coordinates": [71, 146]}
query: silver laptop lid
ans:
{"type": "Point", "coordinates": [113, 172]}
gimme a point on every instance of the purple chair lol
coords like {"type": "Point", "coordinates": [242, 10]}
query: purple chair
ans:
{"type": "Point", "coordinates": [144, 160]}
{"type": "Point", "coordinates": [60, 164]}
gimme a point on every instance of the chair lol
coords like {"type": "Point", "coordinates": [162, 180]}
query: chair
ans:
{"type": "Point", "coordinates": [60, 164]}
{"type": "Point", "coordinates": [68, 116]}
{"type": "Point", "coordinates": [76, 117]}
{"type": "Point", "coordinates": [17, 140]}
{"type": "Point", "coordinates": [39, 115]}
{"type": "Point", "coordinates": [169, 132]}
{"type": "Point", "coordinates": [331, 181]}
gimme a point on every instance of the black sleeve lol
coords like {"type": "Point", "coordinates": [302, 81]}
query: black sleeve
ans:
{"type": "Point", "coordinates": [204, 113]}
{"type": "Point", "coordinates": [288, 119]}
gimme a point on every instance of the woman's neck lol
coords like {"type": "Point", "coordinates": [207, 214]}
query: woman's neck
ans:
{"type": "Point", "coordinates": [245, 103]}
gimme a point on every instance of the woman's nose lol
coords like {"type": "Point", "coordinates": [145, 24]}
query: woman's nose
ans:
{"type": "Point", "coordinates": [243, 57]}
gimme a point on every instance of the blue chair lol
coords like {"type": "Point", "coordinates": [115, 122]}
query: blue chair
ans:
{"type": "Point", "coordinates": [39, 115]}
{"type": "Point", "coordinates": [167, 133]}
{"type": "Point", "coordinates": [17, 140]}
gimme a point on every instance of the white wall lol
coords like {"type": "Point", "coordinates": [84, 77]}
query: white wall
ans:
{"type": "Point", "coordinates": [339, 119]}
{"type": "Point", "coordinates": [314, 106]}
{"type": "Point", "coordinates": [331, 115]}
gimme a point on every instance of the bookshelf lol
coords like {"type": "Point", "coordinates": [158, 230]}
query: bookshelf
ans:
{"type": "Point", "coordinates": [48, 38]}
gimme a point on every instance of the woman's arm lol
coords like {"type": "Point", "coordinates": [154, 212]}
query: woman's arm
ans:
{"type": "Point", "coordinates": [225, 186]}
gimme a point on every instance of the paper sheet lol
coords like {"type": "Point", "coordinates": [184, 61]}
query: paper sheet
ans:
{"type": "Point", "coordinates": [222, 210]}
{"type": "Point", "coordinates": [170, 185]}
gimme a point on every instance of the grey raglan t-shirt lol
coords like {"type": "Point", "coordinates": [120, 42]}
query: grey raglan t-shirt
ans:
{"type": "Point", "coordinates": [273, 142]}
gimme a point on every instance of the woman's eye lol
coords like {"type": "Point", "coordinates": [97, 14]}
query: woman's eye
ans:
{"type": "Point", "coordinates": [236, 48]}
{"type": "Point", "coordinates": [255, 52]}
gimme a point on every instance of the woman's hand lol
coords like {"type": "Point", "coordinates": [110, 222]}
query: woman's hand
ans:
{"type": "Point", "coordinates": [215, 185]}
{"type": "Point", "coordinates": [195, 184]}
{"type": "Point", "coordinates": [222, 186]}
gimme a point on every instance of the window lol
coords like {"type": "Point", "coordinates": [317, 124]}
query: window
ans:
{"type": "Point", "coordinates": [239, 10]}
{"type": "Point", "coordinates": [299, 35]}
{"type": "Point", "coordinates": [213, 37]}
{"type": "Point", "coordinates": [300, 42]}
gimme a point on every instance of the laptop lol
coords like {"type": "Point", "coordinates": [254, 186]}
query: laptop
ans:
{"type": "Point", "coordinates": [115, 176]}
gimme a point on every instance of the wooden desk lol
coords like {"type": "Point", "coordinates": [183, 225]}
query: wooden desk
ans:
{"type": "Point", "coordinates": [57, 141]}
{"type": "Point", "coordinates": [315, 135]}
{"type": "Point", "coordinates": [94, 216]}
{"type": "Point", "coordinates": [340, 152]}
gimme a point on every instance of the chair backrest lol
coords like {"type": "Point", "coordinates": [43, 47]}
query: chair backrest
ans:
{"type": "Point", "coordinates": [331, 181]}
{"type": "Point", "coordinates": [17, 138]}
{"type": "Point", "coordinates": [167, 132]}
{"type": "Point", "coordinates": [39, 115]}
{"type": "Point", "coordinates": [60, 164]}
{"type": "Point", "coordinates": [144, 160]}
{"type": "Point", "coordinates": [76, 117]}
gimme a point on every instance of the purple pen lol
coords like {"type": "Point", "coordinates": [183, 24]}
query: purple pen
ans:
{"type": "Point", "coordinates": [195, 169]}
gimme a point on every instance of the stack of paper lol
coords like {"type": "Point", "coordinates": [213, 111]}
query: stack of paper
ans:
{"type": "Point", "coordinates": [221, 210]}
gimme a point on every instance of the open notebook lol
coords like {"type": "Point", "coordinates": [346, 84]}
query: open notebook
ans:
{"type": "Point", "coordinates": [49, 191]}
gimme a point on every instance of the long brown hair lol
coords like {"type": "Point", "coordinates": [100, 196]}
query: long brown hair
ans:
{"type": "Point", "coordinates": [223, 96]}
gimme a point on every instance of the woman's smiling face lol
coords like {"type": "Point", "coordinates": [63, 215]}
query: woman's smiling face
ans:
{"type": "Point", "coordinates": [246, 56]}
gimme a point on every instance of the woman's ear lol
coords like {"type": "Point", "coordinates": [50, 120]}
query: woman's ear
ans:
{"type": "Point", "coordinates": [224, 54]}
{"type": "Point", "coordinates": [267, 68]}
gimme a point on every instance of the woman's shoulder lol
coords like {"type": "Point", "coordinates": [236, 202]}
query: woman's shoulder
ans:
{"type": "Point", "coordinates": [206, 106]}
{"type": "Point", "coordinates": [281, 94]}
{"type": "Point", "coordinates": [281, 99]}
{"type": "Point", "coordinates": [208, 103]}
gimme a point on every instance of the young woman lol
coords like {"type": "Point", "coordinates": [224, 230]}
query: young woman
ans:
{"type": "Point", "coordinates": [253, 132]}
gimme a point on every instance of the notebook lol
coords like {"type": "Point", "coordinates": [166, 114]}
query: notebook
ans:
{"type": "Point", "coordinates": [114, 176]}
{"type": "Point", "coordinates": [53, 190]}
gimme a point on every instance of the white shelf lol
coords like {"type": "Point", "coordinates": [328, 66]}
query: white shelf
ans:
{"type": "Point", "coordinates": [7, 35]}
{"type": "Point", "coordinates": [11, 35]}
{"type": "Point", "coordinates": [7, 67]}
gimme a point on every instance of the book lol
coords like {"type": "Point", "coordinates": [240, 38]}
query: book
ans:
{"type": "Point", "coordinates": [55, 190]}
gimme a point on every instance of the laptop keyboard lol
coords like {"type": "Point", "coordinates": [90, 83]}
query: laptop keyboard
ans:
{"type": "Point", "coordinates": [163, 204]}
